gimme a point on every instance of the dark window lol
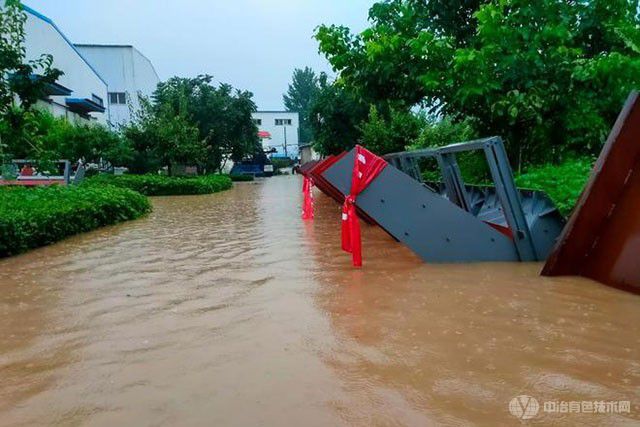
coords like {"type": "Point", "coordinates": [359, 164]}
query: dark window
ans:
{"type": "Point", "coordinates": [258, 122]}
{"type": "Point", "coordinates": [118, 98]}
{"type": "Point", "coordinates": [283, 122]}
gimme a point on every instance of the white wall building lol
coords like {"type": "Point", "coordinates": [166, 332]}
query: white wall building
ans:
{"type": "Point", "coordinates": [81, 94]}
{"type": "Point", "coordinates": [279, 131]}
{"type": "Point", "coordinates": [127, 72]}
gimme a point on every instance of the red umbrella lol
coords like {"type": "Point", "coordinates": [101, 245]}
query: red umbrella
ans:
{"type": "Point", "coordinates": [263, 134]}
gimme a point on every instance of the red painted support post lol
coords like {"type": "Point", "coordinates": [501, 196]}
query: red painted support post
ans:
{"type": "Point", "coordinates": [367, 166]}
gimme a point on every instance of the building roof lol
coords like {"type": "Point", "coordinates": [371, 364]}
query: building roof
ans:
{"type": "Point", "coordinates": [118, 46]}
{"type": "Point", "coordinates": [55, 27]}
{"type": "Point", "coordinates": [124, 46]}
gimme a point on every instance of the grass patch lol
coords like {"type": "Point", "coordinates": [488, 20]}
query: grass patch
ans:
{"type": "Point", "coordinates": [160, 185]}
{"type": "Point", "coordinates": [563, 183]}
{"type": "Point", "coordinates": [34, 217]}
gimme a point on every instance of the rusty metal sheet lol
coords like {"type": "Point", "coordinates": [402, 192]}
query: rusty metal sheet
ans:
{"type": "Point", "coordinates": [602, 239]}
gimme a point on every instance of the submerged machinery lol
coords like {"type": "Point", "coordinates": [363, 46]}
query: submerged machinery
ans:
{"type": "Point", "coordinates": [454, 222]}
{"type": "Point", "coordinates": [450, 221]}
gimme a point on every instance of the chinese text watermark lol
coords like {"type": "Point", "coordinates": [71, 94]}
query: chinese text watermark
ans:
{"type": "Point", "coordinates": [527, 407]}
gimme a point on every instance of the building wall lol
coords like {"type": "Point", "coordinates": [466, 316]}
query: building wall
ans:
{"type": "Point", "coordinates": [266, 121]}
{"type": "Point", "coordinates": [43, 37]}
{"type": "Point", "coordinates": [126, 70]}
{"type": "Point", "coordinates": [308, 154]}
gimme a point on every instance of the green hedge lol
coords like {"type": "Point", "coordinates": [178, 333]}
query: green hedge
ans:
{"type": "Point", "coordinates": [33, 217]}
{"type": "Point", "coordinates": [563, 183]}
{"type": "Point", "coordinates": [242, 178]}
{"type": "Point", "coordinates": [160, 185]}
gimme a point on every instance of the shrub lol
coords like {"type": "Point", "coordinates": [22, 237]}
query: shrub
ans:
{"type": "Point", "coordinates": [34, 217]}
{"type": "Point", "coordinates": [563, 183]}
{"type": "Point", "coordinates": [279, 163]}
{"type": "Point", "coordinates": [242, 178]}
{"type": "Point", "coordinates": [384, 135]}
{"type": "Point", "coordinates": [439, 132]}
{"type": "Point", "coordinates": [160, 185]}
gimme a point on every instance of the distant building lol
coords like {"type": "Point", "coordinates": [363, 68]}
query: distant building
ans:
{"type": "Point", "coordinates": [128, 74]}
{"type": "Point", "coordinates": [80, 94]}
{"type": "Point", "coordinates": [279, 132]}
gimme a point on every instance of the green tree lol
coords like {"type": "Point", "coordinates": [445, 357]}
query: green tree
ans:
{"type": "Point", "coordinates": [162, 136]}
{"type": "Point", "coordinates": [380, 64]}
{"type": "Point", "coordinates": [336, 116]}
{"type": "Point", "coordinates": [221, 115]}
{"type": "Point", "coordinates": [548, 76]}
{"type": "Point", "coordinates": [384, 136]}
{"type": "Point", "coordinates": [301, 95]}
{"type": "Point", "coordinates": [19, 79]}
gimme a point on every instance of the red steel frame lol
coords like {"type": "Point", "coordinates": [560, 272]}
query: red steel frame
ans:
{"type": "Point", "coordinates": [315, 169]}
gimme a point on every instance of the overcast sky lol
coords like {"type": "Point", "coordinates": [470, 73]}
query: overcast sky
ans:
{"type": "Point", "coordinates": [251, 44]}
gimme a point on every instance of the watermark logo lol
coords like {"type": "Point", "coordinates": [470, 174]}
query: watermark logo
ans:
{"type": "Point", "coordinates": [524, 407]}
{"type": "Point", "coordinates": [527, 407]}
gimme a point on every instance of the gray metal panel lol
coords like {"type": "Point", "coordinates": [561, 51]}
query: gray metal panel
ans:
{"type": "Point", "coordinates": [431, 226]}
{"type": "Point", "coordinates": [510, 198]}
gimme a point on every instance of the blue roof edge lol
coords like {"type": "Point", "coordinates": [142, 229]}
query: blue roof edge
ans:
{"type": "Point", "coordinates": [53, 24]}
{"type": "Point", "coordinates": [85, 101]}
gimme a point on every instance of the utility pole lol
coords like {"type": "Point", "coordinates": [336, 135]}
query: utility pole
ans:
{"type": "Point", "coordinates": [285, 141]}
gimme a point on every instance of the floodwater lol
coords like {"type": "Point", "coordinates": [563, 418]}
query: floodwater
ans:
{"type": "Point", "coordinates": [229, 310]}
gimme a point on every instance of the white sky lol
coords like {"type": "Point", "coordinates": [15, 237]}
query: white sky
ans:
{"type": "Point", "coordinates": [251, 44]}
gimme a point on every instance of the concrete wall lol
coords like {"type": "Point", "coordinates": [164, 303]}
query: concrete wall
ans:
{"type": "Point", "coordinates": [308, 154]}
{"type": "Point", "coordinates": [43, 37]}
{"type": "Point", "coordinates": [126, 70]}
{"type": "Point", "coordinates": [280, 133]}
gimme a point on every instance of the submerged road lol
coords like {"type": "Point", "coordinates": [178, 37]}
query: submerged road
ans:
{"type": "Point", "coordinates": [229, 310]}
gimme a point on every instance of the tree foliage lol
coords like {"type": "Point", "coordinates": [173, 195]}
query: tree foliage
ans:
{"type": "Point", "coordinates": [301, 95]}
{"type": "Point", "coordinates": [160, 137]}
{"type": "Point", "coordinates": [19, 79]}
{"type": "Point", "coordinates": [221, 115]}
{"type": "Point", "coordinates": [548, 76]}
{"type": "Point", "coordinates": [190, 121]}
{"type": "Point", "coordinates": [36, 134]}
{"type": "Point", "coordinates": [17, 76]}
{"type": "Point", "coordinates": [336, 117]}
{"type": "Point", "coordinates": [383, 136]}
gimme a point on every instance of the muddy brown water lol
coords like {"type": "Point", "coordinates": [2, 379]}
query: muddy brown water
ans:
{"type": "Point", "coordinates": [229, 310]}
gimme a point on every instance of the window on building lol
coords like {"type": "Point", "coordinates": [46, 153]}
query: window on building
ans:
{"type": "Point", "coordinates": [95, 98]}
{"type": "Point", "coordinates": [283, 122]}
{"type": "Point", "coordinates": [117, 98]}
{"type": "Point", "coordinates": [257, 122]}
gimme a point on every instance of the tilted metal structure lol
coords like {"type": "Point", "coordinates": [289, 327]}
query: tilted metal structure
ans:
{"type": "Point", "coordinates": [453, 222]}
{"type": "Point", "coordinates": [602, 239]}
